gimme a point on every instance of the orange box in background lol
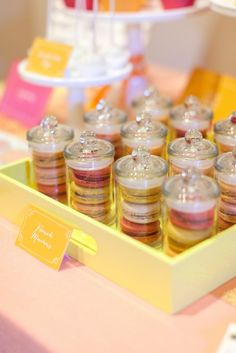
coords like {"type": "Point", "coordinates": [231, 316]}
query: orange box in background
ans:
{"type": "Point", "coordinates": [202, 84]}
{"type": "Point", "coordinates": [123, 6]}
{"type": "Point", "coordinates": [225, 99]}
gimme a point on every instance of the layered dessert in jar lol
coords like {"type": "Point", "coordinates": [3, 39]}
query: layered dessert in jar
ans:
{"type": "Point", "coordinates": [192, 151]}
{"type": "Point", "coordinates": [138, 191]}
{"type": "Point", "coordinates": [106, 122]}
{"type": "Point", "coordinates": [144, 132]}
{"type": "Point", "coordinates": [89, 172]}
{"type": "Point", "coordinates": [226, 176]}
{"type": "Point", "coordinates": [155, 104]}
{"type": "Point", "coordinates": [191, 203]}
{"type": "Point", "coordinates": [225, 133]}
{"type": "Point", "coordinates": [47, 143]}
{"type": "Point", "coordinates": [190, 115]}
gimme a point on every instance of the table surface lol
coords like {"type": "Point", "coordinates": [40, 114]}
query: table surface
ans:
{"type": "Point", "coordinates": [76, 310]}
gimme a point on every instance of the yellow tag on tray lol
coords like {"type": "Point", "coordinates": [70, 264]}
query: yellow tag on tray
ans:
{"type": "Point", "coordinates": [48, 58]}
{"type": "Point", "coordinates": [44, 236]}
{"type": "Point", "coordinates": [225, 98]}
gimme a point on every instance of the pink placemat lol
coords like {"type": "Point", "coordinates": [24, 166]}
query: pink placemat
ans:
{"type": "Point", "coordinates": [76, 310]}
{"type": "Point", "coordinates": [22, 101]}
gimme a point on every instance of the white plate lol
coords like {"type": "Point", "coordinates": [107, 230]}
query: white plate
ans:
{"type": "Point", "coordinates": [224, 7]}
{"type": "Point", "coordinates": [80, 82]}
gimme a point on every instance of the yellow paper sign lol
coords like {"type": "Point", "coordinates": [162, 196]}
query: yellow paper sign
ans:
{"type": "Point", "coordinates": [48, 58]}
{"type": "Point", "coordinates": [43, 236]}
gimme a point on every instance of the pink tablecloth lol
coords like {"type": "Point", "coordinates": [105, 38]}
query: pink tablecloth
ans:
{"type": "Point", "coordinates": [77, 311]}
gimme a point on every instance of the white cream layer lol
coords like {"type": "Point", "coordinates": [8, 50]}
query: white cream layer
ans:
{"type": "Point", "coordinates": [141, 184]}
{"type": "Point", "coordinates": [191, 207]}
{"type": "Point", "coordinates": [186, 163]}
{"type": "Point", "coordinates": [89, 165]}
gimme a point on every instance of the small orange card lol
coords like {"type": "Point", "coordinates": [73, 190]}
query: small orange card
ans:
{"type": "Point", "coordinates": [44, 236]}
{"type": "Point", "coordinates": [48, 58]}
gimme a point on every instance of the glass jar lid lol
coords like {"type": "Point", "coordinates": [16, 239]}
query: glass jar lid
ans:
{"type": "Point", "coordinates": [190, 191]}
{"type": "Point", "coordinates": [143, 127]}
{"type": "Point", "coordinates": [153, 102]}
{"type": "Point", "coordinates": [50, 132]}
{"type": "Point", "coordinates": [141, 165]}
{"type": "Point", "coordinates": [89, 148]}
{"type": "Point", "coordinates": [226, 163]}
{"type": "Point", "coordinates": [105, 115]}
{"type": "Point", "coordinates": [192, 112]}
{"type": "Point", "coordinates": [192, 146]}
{"type": "Point", "coordinates": [227, 127]}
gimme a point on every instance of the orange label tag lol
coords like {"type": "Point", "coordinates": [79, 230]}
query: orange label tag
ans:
{"type": "Point", "coordinates": [48, 58]}
{"type": "Point", "coordinates": [44, 237]}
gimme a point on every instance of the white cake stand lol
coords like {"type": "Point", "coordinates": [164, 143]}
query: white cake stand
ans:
{"type": "Point", "coordinates": [109, 77]}
{"type": "Point", "coordinates": [223, 7]}
{"type": "Point", "coordinates": [76, 86]}
{"type": "Point", "coordinates": [155, 14]}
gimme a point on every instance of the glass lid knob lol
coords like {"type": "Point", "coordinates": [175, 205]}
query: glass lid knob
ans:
{"type": "Point", "coordinates": [88, 140]}
{"type": "Point", "coordinates": [143, 119]}
{"type": "Point", "coordinates": [141, 157]}
{"type": "Point", "coordinates": [151, 92]}
{"type": "Point", "coordinates": [190, 175]}
{"type": "Point", "coordinates": [191, 102]}
{"type": "Point", "coordinates": [103, 106]}
{"type": "Point", "coordinates": [193, 136]}
{"type": "Point", "coordinates": [49, 125]}
{"type": "Point", "coordinates": [103, 109]}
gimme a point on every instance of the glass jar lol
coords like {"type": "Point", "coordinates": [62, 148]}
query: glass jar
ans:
{"type": "Point", "coordinates": [146, 133]}
{"type": "Point", "coordinates": [190, 115]}
{"type": "Point", "coordinates": [155, 104]}
{"type": "Point", "coordinates": [191, 203]}
{"type": "Point", "coordinates": [138, 190]}
{"type": "Point", "coordinates": [89, 171]}
{"type": "Point", "coordinates": [106, 122]}
{"type": "Point", "coordinates": [225, 133]}
{"type": "Point", "coordinates": [47, 142]}
{"type": "Point", "coordinates": [192, 151]}
{"type": "Point", "coordinates": [226, 176]}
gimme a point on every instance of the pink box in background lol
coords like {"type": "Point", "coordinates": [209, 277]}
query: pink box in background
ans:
{"type": "Point", "coordinates": [72, 3]}
{"type": "Point", "coordinates": [23, 101]}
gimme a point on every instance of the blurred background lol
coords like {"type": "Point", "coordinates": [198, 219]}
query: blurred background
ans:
{"type": "Point", "coordinates": [207, 40]}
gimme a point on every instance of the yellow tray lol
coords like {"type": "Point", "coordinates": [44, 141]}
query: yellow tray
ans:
{"type": "Point", "coordinates": [170, 284]}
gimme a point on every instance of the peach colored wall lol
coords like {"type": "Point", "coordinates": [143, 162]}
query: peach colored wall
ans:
{"type": "Point", "coordinates": [207, 40]}
{"type": "Point", "coordinates": [20, 21]}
